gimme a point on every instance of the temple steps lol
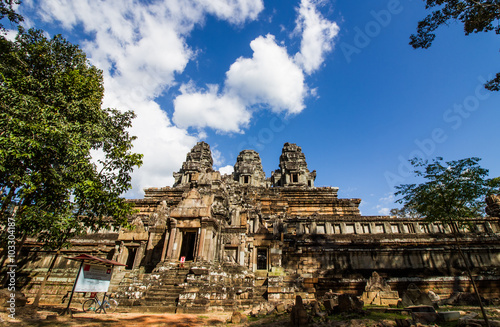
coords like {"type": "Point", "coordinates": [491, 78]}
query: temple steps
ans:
{"type": "Point", "coordinates": [165, 291]}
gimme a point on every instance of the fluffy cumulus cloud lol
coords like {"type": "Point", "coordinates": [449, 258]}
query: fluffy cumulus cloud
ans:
{"type": "Point", "coordinates": [226, 170]}
{"type": "Point", "coordinates": [318, 36]}
{"type": "Point", "coordinates": [199, 109]}
{"type": "Point", "coordinates": [142, 48]}
{"type": "Point", "coordinates": [270, 79]}
{"type": "Point", "coordinates": [235, 12]}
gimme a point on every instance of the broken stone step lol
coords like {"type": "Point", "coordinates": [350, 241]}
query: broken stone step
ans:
{"type": "Point", "coordinates": [171, 281]}
{"type": "Point", "coordinates": [162, 295]}
{"type": "Point", "coordinates": [158, 291]}
{"type": "Point", "coordinates": [160, 301]}
{"type": "Point", "coordinates": [161, 298]}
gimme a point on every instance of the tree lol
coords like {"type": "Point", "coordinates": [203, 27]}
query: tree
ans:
{"type": "Point", "coordinates": [454, 192]}
{"type": "Point", "coordinates": [476, 16]}
{"type": "Point", "coordinates": [51, 125]}
{"type": "Point", "coordinates": [7, 10]}
{"type": "Point", "coordinates": [405, 212]}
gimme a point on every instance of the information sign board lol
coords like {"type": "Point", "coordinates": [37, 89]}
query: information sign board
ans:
{"type": "Point", "coordinates": [93, 278]}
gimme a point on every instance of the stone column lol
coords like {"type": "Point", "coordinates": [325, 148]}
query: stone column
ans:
{"type": "Point", "coordinates": [241, 253]}
{"type": "Point", "coordinates": [199, 253]}
{"type": "Point", "coordinates": [148, 251]}
{"type": "Point", "coordinates": [170, 249]}
{"type": "Point", "coordinates": [328, 228]}
{"type": "Point", "coordinates": [120, 256]}
{"type": "Point", "coordinates": [139, 254]}
{"type": "Point", "coordinates": [165, 245]}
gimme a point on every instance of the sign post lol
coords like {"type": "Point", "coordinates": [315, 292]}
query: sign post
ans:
{"type": "Point", "coordinates": [67, 309]}
{"type": "Point", "coordinates": [94, 275]}
{"type": "Point", "coordinates": [94, 278]}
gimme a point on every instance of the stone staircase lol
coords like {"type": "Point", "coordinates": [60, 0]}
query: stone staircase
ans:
{"type": "Point", "coordinates": [150, 292]}
{"type": "Point", "coordinates": [163, 294]}
{"type": "Point", "coordinates": [194, 288]}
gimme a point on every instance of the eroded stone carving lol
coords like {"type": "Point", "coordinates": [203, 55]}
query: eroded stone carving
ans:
{"type": "Point", "coordinates": [248, 169]}
{"type": "Point", "coordinates": [289, 237]}
{"type": "Point", "coordinates": [378, 292]}
{"type": "Point", "coordinates": [293, 168]}
{"type": "Point", "coordinates": [198, 161]}
{"type": "Point", "coordinates": [493, 205]}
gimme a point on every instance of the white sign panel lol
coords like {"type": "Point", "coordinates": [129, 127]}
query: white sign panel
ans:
{"type": "Point", "coordinates": [93, 278]}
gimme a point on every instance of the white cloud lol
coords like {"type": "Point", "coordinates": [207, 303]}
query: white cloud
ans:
{"type": "Point", "coordinates": [382, 207]}
{"type": "Point", "coordinates": [164, 145]}
{"type": "Point", "coordinates": [317, 36]}
{"type": "Point", "coordinates": [383, 211]}
{"type": "Point", "coordinates": [141, 47]}
{"type": "Point", "coordinates": [270, 77]}
{"type": "Point", "coordinates": [10, 35]}
{"type": "Point", "coordinates": [195, 108]}
{"type": "Point", "coordinates": [388, 198]}
{"type": "Point", "coordinates": [226, 170]}
{"type": "Point", "coordinates": [234, 11]}
{"type": "Point", "coordinates": [217, 156]}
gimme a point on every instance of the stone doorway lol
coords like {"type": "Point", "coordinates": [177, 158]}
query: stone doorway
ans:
{"type": "Point", "coordinates": [131, 252]}
{"type": "Point", "coordinates": [188, 245]}
{"type": "Point", "coordinates": [261, 259]}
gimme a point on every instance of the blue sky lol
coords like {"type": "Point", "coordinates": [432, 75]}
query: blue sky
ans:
{"type": "Point", "coordinates": [336, 77]}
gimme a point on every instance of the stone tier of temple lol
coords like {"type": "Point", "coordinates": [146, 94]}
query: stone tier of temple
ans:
{"type": "Point", "coordinates": [259, 239]}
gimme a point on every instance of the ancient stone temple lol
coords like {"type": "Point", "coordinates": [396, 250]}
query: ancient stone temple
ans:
{"type": "Point", "coordinates": [213, 242]}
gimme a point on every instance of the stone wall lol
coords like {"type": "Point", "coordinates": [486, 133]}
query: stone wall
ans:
{"type": "Point", "coordinates": [247, 239]}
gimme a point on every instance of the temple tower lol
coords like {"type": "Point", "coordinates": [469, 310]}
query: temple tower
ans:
{"type": "Point", "coordinates": [248, 169]}
{"type": "Point", "coordinates": [198, 161]}
{"type": "Point", "coordinates": [293, 168]}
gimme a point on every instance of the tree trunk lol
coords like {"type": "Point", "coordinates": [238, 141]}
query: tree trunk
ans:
{"type": "Point", "coordinates": [455, 233]}
{"type": "Point", "coordinates": [40, 290]}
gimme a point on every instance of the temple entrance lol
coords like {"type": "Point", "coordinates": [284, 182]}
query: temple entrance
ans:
{"type": "Point", "coordinates": [188, 244]}
{"type": "Point", "coordinates": [131, 257]}
{"type": "Point", "coordinates": [261, 259]}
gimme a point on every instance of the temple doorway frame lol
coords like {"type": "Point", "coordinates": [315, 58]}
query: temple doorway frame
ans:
{"type": "Point", "coordinates": [188, 244]}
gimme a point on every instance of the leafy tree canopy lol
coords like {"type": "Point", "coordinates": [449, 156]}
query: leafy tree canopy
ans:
{"type": "Point", "coordinates": [7, 11]}
{"type": "Point", "coordinates": [405, 212]}
{"type": "Point", "coordinates": [51, 123]}
{"type": "Point", "coordinates": [476, 16]}
{"type": "Point", "coordinates": [453, 191]}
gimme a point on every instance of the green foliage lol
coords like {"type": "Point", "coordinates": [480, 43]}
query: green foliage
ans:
{"type": "Point", "coordinates": [7, 11]}
{"type": "Point", "coordinates": [51, 123]}
{"type": "Point", "coordinates": [405, 212]}
{"type": "Point", "coordinates": [476, 16]}
{"type": "Point", "coordinates": [452, 192]}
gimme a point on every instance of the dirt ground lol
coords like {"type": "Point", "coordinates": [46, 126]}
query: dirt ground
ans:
{"type": "Point", "coordinates": [48, 316]}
